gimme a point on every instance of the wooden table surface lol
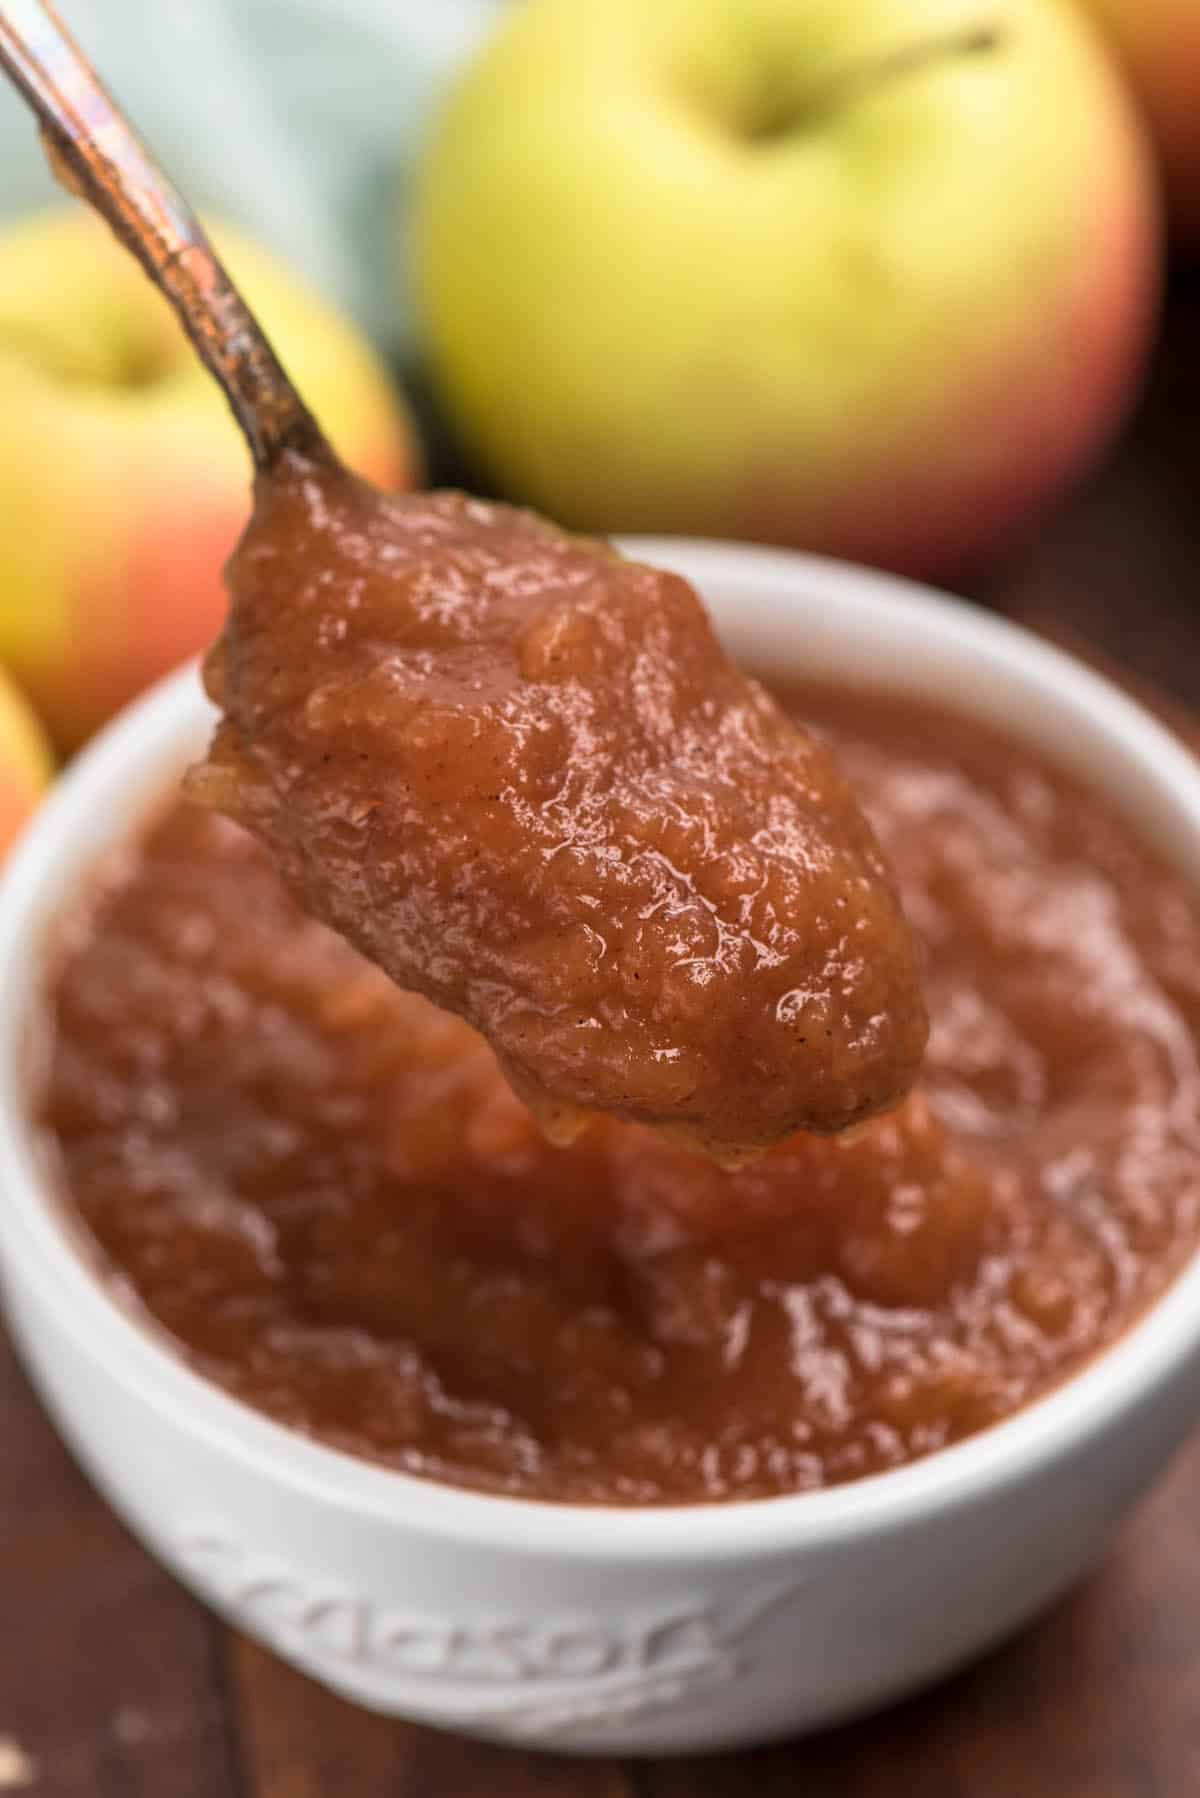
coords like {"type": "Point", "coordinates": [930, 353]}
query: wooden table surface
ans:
{"type": "Point", "coordinates": [115, 1684]}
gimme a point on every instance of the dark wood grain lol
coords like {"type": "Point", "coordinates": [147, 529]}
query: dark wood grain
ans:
{"type": "Point", "coordinates": [109, 1673]}
{"type": "Point", "coordinates": [297, 1741]}
{"type": "Point", "coordinates": [113, 1684]}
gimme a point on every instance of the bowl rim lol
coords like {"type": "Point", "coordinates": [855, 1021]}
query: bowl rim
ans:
{"type": "Point", "coordinates": [39, 1245]}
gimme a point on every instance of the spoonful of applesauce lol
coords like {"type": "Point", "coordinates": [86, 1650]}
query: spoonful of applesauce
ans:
{"type": "Point", "coordinates": [513, 768]}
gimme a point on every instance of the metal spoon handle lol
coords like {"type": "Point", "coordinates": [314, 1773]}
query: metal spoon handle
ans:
{"type": "Point", "coordinates": [94, 150]}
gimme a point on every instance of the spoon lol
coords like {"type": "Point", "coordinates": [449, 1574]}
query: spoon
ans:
{"type": "Point", "coordinates": [95, 152]}
{"type": "Point", "coordinates": [514, 770]}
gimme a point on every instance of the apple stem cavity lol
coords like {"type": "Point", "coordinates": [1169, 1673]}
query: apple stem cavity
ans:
{"type": "Point", "coordinates": [96, 154]}
{"type": "Point", "coordinates": [866, 78]}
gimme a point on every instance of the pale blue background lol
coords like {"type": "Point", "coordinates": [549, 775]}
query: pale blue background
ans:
{"type": "Point", "coordinates": [300, 119]}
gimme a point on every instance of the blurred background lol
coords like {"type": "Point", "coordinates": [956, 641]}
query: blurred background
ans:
{"type": "Point", "coordinates": [898, 280]}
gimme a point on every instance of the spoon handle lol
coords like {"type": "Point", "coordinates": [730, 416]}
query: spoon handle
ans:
{"type": "Point", "coordinates": [95, 152]}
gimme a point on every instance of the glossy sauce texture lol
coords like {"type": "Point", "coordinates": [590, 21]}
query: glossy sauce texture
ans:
{"type": "Point", "coordinates": [325, 1191]}
{"type": "Point", "coordinates": [520, 774]}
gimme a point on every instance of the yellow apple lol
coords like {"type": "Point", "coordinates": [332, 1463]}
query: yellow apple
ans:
{"type": "Point", "coordinates": [123, 480]}
{"type": "Point", "coordinates": [25, 762]}
{"type": "Point", "coordinates": [1158, 42]}
{"type": "Point", "coordinates": [871, 278]}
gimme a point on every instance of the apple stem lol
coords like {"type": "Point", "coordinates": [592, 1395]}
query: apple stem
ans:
{"type": "Point", "coordinates": [94, 151]}
{"type": "Point", "coordinates": [876, 72]}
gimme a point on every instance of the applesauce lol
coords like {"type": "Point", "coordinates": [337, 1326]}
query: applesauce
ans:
{"type": "Point", "coordinates": [519, 772]}
{"type": "Point", "coordinates": [326, 1194]}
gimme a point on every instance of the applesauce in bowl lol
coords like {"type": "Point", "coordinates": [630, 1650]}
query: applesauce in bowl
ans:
{"type": "Point", "coordinates": [647, 1622]}
{"type": "Point", "coordinates": [324, 1190]}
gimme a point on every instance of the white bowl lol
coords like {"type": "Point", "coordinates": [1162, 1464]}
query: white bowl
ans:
{"type": "Point", "coordinates": [582, 1628]}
